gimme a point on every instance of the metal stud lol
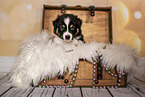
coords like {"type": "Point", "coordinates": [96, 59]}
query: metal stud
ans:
{"type": "Point", "coordinates": [71, 82]}
{"type": "Point", "coordinates": [93, 83]}
{"type": "Point", "coordinates": [55, 86]}
{"type": "Point", "coordinates": [47, 85]}
{"type": "Point", "coordinates": [123, 73]}
{"type": "Point", "coordinates": [119, 76]}
{"type": "Point", "coordinates": [70, 85]}
{"type": "Point", "coordinates": [93, 87]}
{"type": "Point", "coordinates": [112, 74]}
{"type": "Point", "coordinates": [118, 84]}
{"type": "Point", "coordinates": [73, 79]}
{"type": "Point", "coordinates": [94, 67]}
{"type": "Point", "coordinates": [99, 68]}
{"type": "Point", "coordinates": [73, 69]}
{"type": "Point", "coordinates": [76, 66]}
{"type": "Point", "coordinates": [120, 72]}
{"type": "Point", "coordinates": [109, 72]}
{"type": "Point", "coordinates": [115, 75]}
{"type": "Point", "coordinates": [44, 81]}
{"type": "Point", "coordinates": [104, 65]}
{"type": "Point", "coordinates": [75, 75]}
{"type": "Point", "coordinates": [100, 54]}
{"type": "Point", "coordinates": [119, 80]}
{"type": "Point", "coordinates": [44, 86]}
{"type": "Point", "coordinates": [112, 87]}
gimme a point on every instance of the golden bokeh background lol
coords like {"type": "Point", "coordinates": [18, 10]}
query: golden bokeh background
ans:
{"type": "Point", "coordinates": [19, 18]}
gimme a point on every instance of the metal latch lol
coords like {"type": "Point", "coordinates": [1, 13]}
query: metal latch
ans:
{"type": "Point", "coordinates": [92, 10]}
{"type": "Point", "coordinates": [63, 7]}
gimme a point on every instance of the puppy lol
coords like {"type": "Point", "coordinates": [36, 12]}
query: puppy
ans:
{"type": "Point", "coordinates": [67, 27]}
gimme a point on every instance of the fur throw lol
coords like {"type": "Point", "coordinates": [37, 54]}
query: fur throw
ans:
{"type": "Point", "coordinates": [44, 56]}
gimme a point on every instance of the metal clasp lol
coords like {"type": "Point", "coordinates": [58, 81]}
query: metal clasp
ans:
{"type": "Point", "coordinates": [92, 10]}
{"type": "Point", "coordinates": [63, 7]}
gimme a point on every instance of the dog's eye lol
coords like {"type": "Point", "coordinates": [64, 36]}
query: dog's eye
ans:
{"type": "Point", "coordinates": [72, 27]}
{"type": "Point", "coordinates": [62, 27]}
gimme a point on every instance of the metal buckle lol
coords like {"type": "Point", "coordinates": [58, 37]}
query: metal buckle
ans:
{"type": "Point", "coordinates": [63, 7]}
{"type": "Point", "coordinates": [92, 10]}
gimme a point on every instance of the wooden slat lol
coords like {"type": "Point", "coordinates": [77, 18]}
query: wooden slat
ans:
{"type": "Point", "coordinates": [123, 81]}
{"type": "Point", "coordinates": [19, 93]}
{"type": "Point", "coordinates": [136, 90]}
{"type": "Point", "coordinates": [123, 92]}
{"type": "Point", "coordinates": [15, 92]}
{"type": "Point", "coordinates": [73, 92]}
{"type": "Point", "coordinates": [48, 92]}
{"type": "Point", "coordinates": [104, 93]}
{"type": "Point", "coordinates": [100, 93]}
{"type": "Point", "coordinates": [107, 83]}
{"type": "Point", "coordinates": [37, 92]}
{"type": "Point", "coordinates": [83, 83]}
{"type": "Point", "coordinates": [60, 92]}
{"type": "Point", "coordinates": [85, 71]}
{"type": "Point", "coordinates": [2, 76]}
{"type": "Point", "coordinates": [87, 92]}
{"type": "Point", "coordinates": [55, 82]}
{"type": "Point", "coordinates": [5, 80]}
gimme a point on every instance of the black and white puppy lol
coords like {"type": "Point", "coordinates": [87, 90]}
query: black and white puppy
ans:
{"type": "Point", "coordinates": [68, 27]}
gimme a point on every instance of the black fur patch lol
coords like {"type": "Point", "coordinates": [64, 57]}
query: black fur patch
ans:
{"type": "Point", "coordinates": [74, 27]}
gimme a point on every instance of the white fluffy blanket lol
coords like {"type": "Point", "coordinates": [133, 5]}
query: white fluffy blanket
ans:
{"type": "Point", "coordinates": [44, 56]}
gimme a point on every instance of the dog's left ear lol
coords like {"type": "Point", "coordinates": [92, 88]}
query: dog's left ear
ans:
{"type": "Point", "coordinates": [79, 21]}
{"type": "Point", "coordinates": [55, 22]}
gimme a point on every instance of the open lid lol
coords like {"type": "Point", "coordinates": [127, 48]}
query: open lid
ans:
{"type": "Point", "coordinates": [96, 21]}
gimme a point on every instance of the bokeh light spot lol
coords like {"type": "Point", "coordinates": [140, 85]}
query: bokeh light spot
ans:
{"type": "Point", "coordinates": [137, 15]}
{"type": "Point", "coordinates": [3, 17]}
{"type": "Point", "coordinates": [29, 6]}
{"type": "Point", "coordinates": [23, 25]}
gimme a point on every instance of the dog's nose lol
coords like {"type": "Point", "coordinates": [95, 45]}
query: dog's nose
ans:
{"type": "Point", "coordinates": [67, 37]}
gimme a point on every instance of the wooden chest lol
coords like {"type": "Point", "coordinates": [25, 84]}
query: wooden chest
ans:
{"type": "Point", "coordinates": [96, 26]}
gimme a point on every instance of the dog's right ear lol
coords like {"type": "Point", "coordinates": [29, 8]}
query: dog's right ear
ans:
{"type": "Point", "coordinates": [55, 22]}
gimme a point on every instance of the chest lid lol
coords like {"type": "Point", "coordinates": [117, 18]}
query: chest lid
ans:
{"type": "Point", "coordinates": [96, 21]}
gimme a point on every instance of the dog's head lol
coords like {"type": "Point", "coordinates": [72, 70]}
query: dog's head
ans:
{"type": "Point", "coordinates": [68, 27]}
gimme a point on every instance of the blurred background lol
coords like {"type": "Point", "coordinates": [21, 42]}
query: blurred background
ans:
{"type": "Point", "coordinates": [19, 18]}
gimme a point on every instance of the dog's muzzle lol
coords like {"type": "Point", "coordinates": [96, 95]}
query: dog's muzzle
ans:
{"type": "Point", "coordinates": [67, 36]}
